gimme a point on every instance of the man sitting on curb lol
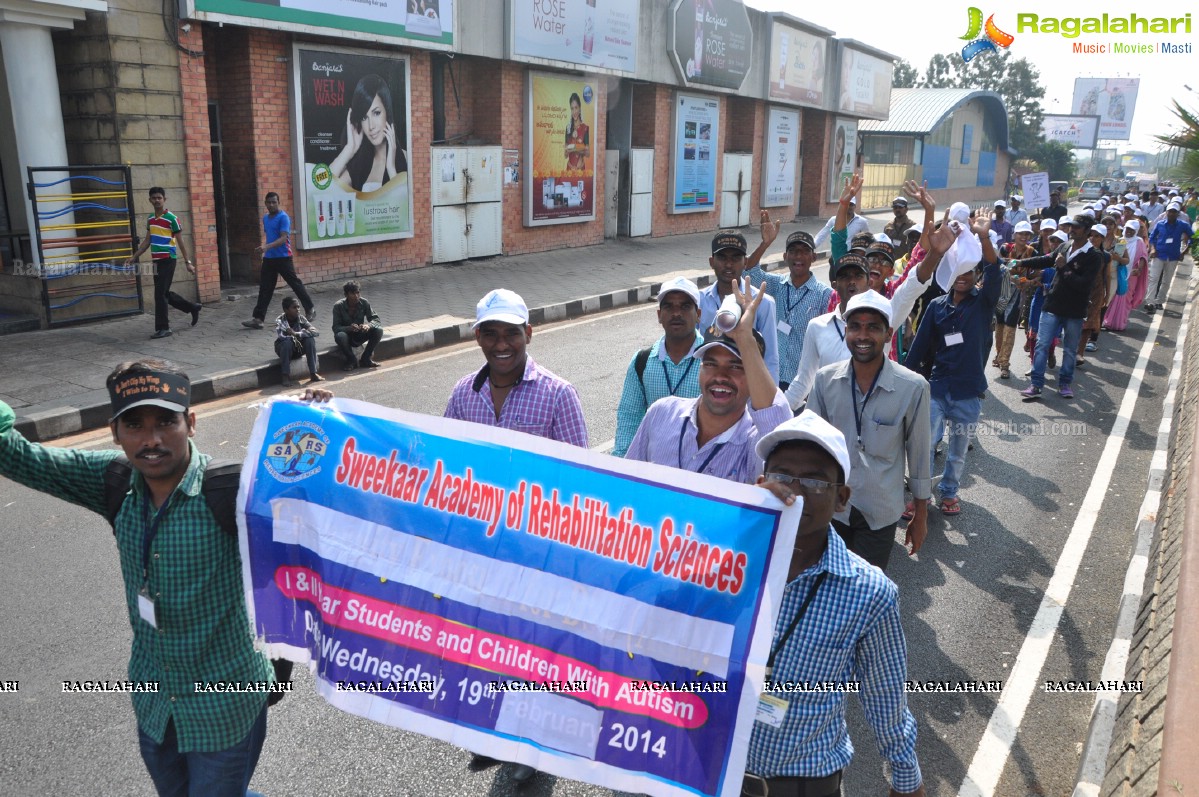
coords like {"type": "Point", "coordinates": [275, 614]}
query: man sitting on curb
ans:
{"type": "Point", "coordinates": [355, 324]}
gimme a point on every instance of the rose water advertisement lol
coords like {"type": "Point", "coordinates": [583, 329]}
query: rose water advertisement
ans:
{"type": "Point", "coordinates": [352, 120]}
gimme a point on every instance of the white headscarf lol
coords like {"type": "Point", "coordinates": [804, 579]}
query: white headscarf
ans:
{"type": "Point", "coordinates": [966, 251]}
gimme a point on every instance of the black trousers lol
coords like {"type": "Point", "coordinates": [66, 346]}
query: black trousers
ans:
{"type": "Point", "coordinates": [346, 341]}
{"type": "Point", "coordinates": [164, 274]}
{"type": "Point", "coordinates": [272, 269]}
{"type": "Point", "coordinates": [873, 545]}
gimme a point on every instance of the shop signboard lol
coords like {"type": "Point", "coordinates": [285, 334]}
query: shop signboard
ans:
{"type": "Point", "coordinates": [414, 23]}
{"type": "Point", "coordinates": [798, 65]}
{"type": "Point", "coordinates": [594, 34]}
{"type": "Point", "coordinates": [560, 144]}
{"type": "Point", "coordinates": [711, 42]}
{"type": "Point", "coordinates": [354, 145]}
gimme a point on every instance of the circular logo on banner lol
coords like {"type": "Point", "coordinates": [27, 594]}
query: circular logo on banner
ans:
{"type": "Point", "coordinates": [587, 93]}
{"type": "Point", "coordinates": [322, 176]}
{"type": "Point", "coordinates": [295, 451]}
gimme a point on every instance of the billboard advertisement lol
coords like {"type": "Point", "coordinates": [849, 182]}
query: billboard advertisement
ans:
{"type": "Point", "coordinates": [695, 153]}
{"type": "Point", "coordinates": [415, 23]}
{"type": "Point", "coordinates": [351, 115]}
{"type": "Point", "coordinates": [560, 149]}
{"type": "Point", "coordinates": [841, 157]}
{"type": "Point", "coordinates": [865, 87]}
{"type": "Point", "coordinates": [798, 66]}
{"type": "Point", "coordinates": [583, 33]}
{"type": "Point", "coordinates": [711, 42]}
{"type": "Point", "coordinates": [782, 152]}
{"type": "Point", "coordinates": [1112, 99]}
{"type": "Point", "coordinates": [1079, 131]}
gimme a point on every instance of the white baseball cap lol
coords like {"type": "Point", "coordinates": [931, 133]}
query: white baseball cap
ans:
{"type": "Point", "coordinates": [680, 285]}
{"type": "Point", "coordinates": [1017, 198]}
{"type": "Point", "coordinates": [869, 300]}
{"type": "Point", "coordinates": [501, 305]}
{"type": "Point", "coordinates": [810, 427]}
{"type": "Point", "coordinates": [1099, 229]}
{"type": "Point", "coordinates": [1133, 224]}
{"type": "Point", "coordinates": [1060, 236]}
{"type": "Point", "coordinates": [1048, 224]}
{"type": "Point", "coordinates": [999, 203]}
{"type": "Point", "coordinates": [1022, 226]}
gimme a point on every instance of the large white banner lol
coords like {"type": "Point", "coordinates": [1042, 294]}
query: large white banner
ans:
{"type": "Point", "coordinates": [599, 619]}
{"type": "Point", "coordinates": [415, 23]}
{"type": "Point", "coordinates": [1112, 99]}
{"type": "Point", "coordinates": [591, 34]}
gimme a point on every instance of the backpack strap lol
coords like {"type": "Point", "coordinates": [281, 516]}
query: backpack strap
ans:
{"type": "Point", "coordinates": [639, 363]}
{"type": "Point", "coordinates": [116, 486]}
{"type": "Point", "coordinates": [221, 481]}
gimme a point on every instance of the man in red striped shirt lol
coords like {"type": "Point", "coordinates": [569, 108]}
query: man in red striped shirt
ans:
{"type": "Point", "coordinates": [163, 235]}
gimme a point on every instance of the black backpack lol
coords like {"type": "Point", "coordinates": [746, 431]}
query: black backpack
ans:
{"type": "Point", "coordinates": [221, 481]}
{"type": "Point", "coordinates": [639, 363]}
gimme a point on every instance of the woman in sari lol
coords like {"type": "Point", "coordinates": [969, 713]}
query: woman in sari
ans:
{"type": "Point", "coordinates": [1137, 261]}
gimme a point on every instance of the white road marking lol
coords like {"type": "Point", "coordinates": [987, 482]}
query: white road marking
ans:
{"type": "Point", "coordinates": [995, 746]}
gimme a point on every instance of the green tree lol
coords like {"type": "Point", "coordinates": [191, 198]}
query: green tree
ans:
{"type": "Point", "coordinates": [1054, 157]}
{"type": "Point", "coordinates": [1187, 139]}
{"type": "Point", "coordinates": [904, 76]}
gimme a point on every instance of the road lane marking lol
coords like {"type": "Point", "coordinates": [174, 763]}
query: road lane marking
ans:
{"type": "Point", "coordinates": [995, 746]}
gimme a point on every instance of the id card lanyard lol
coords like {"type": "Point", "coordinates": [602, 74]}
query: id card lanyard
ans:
{"type": "Point", "coordinates": [853, 397]}
{"type": "Point", "coordinates": [711, 454]}
{"type": "Point", "coordinates": [145, 603]}
{"type": "Point", "coordinates": [803, 609]}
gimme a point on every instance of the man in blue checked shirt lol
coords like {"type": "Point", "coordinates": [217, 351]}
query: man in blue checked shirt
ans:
{"type": "Point", "coordinates": [728, 261]}
{"type": "Point", "coordinates": [799, 297]}
{"type": "Point", "coordinates": [665, 368]}
{"type": "Point", "coordinates": [839, 623]}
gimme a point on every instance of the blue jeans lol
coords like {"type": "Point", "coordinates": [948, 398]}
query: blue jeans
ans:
{"type": "Point", "coordinates": [225, 773]}
{"type": "Point", "coordinates": [286, 351]}
{"type": "Point", "coordinates": [962, 415]}
{"type": "Point", "coordinates": [1048, 330]}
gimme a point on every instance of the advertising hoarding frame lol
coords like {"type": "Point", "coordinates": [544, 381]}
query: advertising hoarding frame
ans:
{"type": "Point", "coordinates": [1089, 143]}
{"type": "Point", "coordinates": [775, 117]}
{"type": "Point", "coordinates": [841, 164]}
{"type": "Point", "coordinates": [532, 179]}
{"type": "Point", "coordinates": [301, 230]}
{"type": "Point", "coordinates": [786, 23]}
{"type": "Point", "coordinates": [678, 150]}
{"type": "Point", "coordinates": [688, 79]}
{"type": "Point", "coordinates": [1116, 108]}
{"type": "Point", "coordinates": [316, 23]}
{"type": "Point", "coordinates": [880, 110]}
{"type": "Point", "coordinates": [515, 53]}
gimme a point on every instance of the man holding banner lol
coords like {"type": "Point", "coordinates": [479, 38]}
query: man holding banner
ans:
{"type": "Point", "coordinates": [537, 401]}
{"type": "Point", "coordinates": [199, 685]}
{"type": "Point", "coordinates": [738, 403]}
{"type": "Point", "coordinates": [839, 625]}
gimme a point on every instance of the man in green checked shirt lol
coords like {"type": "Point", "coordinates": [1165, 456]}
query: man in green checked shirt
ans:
{"type": "Point", "coordinates": [183, 581]}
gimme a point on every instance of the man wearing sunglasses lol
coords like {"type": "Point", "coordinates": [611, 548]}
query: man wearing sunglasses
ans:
{"type": "Point", "coordinates": [838, 623]}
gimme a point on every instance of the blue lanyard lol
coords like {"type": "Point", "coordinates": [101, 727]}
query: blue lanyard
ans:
{"type": "Point", "coordinates": [853, 397]}
{"type": "Point", "coordinates": [711, 455]}
{"type": "Point", "coordinates": [800, 291]}
{"type": "Point", "coordinates": [837, 325]}
{"type": "Point", "coordinates": [151, 530]}
{"type": "Point", "coordinates": [675, 387]}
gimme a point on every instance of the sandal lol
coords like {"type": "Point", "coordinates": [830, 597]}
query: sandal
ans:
{"type": "Point", "coordinates": [951, 506]}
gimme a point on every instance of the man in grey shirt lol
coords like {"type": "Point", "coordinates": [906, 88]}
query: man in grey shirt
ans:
{"type": "Point", "coordinates": [885, 420]}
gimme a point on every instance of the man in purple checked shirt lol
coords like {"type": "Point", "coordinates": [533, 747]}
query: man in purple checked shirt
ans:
{"type": "Point", "coordinates": [513, 392]}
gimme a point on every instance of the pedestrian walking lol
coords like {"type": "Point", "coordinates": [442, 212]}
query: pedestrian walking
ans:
{"type": "Point", "coordinates": [277, 262]}
{"type": "Point", "coordinates": [164, 235]}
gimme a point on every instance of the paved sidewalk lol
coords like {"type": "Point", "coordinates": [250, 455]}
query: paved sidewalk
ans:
{"type": "Point", "coordinates": [54, 379]}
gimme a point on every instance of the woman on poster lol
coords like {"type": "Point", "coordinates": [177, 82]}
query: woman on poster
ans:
{"type": "Point", "coordinates": [578, 140]}
{"type": "Point", "coordinates": [371, 157]}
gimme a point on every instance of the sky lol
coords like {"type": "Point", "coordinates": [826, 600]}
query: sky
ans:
{"type": "Point", "coordinates": [916, 32]}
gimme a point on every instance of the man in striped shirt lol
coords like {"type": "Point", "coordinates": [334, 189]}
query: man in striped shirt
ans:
{"type": "Point", "coordinates": [163, 235]}
{"type": "Point", "coordinates": [798, 296]}
{"type": "Point", "coordinates": [738, 403]}
{"type": "Point", "coordinates": [838, 623]}
{"type": "Point", "coordinates": [728, 262]}
{"type": "Point", "coordinates": [665, 368]}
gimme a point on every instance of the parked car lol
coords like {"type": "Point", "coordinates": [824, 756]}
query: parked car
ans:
{"type": "Point", "coordinates": [1090, 189]}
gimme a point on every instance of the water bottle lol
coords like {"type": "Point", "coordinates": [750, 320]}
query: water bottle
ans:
{"type": "Point", "coordinates": [728, 316]}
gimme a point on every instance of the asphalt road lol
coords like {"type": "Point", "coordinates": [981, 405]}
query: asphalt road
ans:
{"type": "Point", "coordinates": [968, 598]}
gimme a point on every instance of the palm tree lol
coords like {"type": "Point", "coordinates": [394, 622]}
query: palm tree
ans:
{"type": "Point", "coordinates": [1187, 139]}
